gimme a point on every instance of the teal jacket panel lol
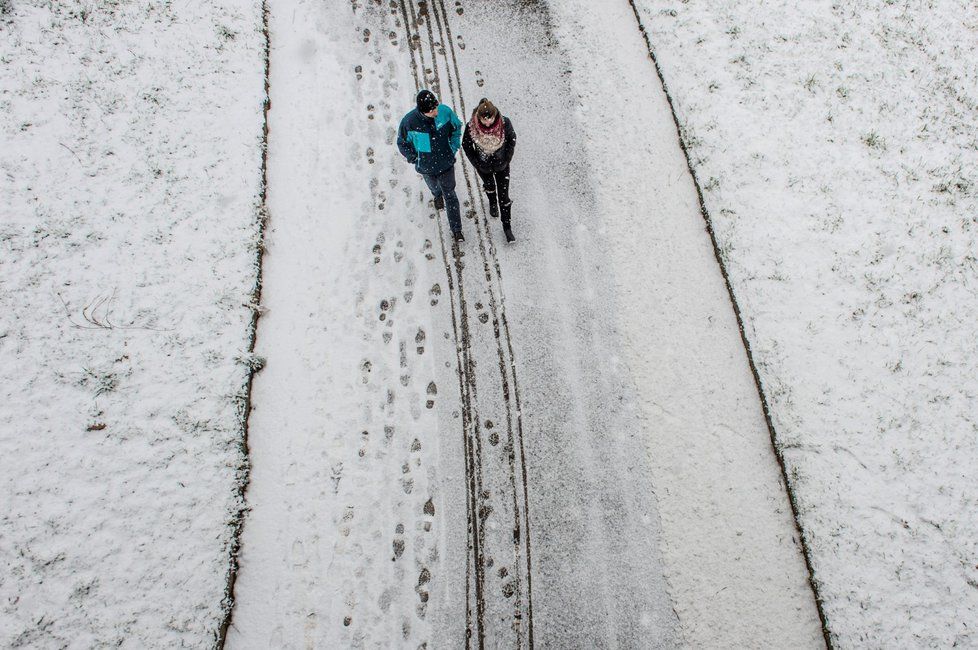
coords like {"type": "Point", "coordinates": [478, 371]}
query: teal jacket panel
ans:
{"type": "Point", "coordinates": [430, 143]}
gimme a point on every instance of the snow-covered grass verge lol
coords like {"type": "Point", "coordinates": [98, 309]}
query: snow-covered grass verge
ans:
{"type": "Point", "coordinates": [836, 147]}
{"type": "Point", "coordinates": [130, 174]}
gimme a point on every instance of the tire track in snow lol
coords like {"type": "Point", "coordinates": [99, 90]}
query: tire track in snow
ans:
{"type": "Point", "coordinates": [488, 252]}
{"type": "Point", "coordinates": [475, 570]}
{"type": "Point", "coordinates": [520, 584]}
{"type": "Point", "coordinates": [478, 559]}
{"type": "Point", "coordinates": [499, 316]}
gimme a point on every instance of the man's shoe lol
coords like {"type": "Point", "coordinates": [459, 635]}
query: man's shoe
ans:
{"type": "Point", "coordinates": [458, 236]}
{"type": "Point", "coordinates": [508, 231]}
{"type": "Point", "coordinates": [439, 203]}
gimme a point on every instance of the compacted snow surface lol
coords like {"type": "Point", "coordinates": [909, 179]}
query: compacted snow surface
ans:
{"type": "Point", "coordinates": [480, 445]}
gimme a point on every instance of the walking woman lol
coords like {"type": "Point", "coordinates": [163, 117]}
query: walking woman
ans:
{"type": "Point", "coordinates": [489, 143]}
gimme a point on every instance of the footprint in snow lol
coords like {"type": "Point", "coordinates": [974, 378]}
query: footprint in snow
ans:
{"type": "Point", "coordinates": [276, 638]}
{"type": "Point", "coordinates": [345, 525]}
{"type": "Point", "coordinates": [298, 554]}
{"type": "Point", "coordinates": [398, 545]}
{"type": "Point", "coordinates": [424, 577]}
{"type": "Point", "coordinates": [336, 473]}
{"type": "Point", "coordinates": [483, 316]}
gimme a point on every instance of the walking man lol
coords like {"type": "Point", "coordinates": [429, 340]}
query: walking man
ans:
{"type": "Point", "coordinates": [429, 137]}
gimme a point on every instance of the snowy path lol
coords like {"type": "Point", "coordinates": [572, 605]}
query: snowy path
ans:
{"type": "Point", "coordinates": [556, 443]}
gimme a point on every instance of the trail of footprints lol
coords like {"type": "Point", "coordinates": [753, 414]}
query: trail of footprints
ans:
{"type": "Point", "coordinates": [500, 486]}
{"type": "Point", "coordinates": [396, 387]}
{"type": "Point", "coordinates": [394, 537]}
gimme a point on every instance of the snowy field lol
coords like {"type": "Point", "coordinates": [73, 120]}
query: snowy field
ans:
{"type": "Point", "coordinates": [425, 414]}
{"type": "Point", "coordinates": [837, 150]}
{"type": "Point", "coordinates": [130, 170]}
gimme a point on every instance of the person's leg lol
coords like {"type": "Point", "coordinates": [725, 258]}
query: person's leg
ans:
{"type": "Point", "coordinates": [502, 187]}
{"type": "Point", "coordinates": [432, 183]}
{"type": "Point", "coordinates": [505, 204]}
{"type": "Point", "coordinates": [446, 182]}
{"type": "Point", "coordinates": [489, 185]}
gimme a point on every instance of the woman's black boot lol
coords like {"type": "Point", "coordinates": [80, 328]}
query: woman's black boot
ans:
{"type": "Point", "coordinates": [507, 225]}
{"type": "Point", "coordinates": [493, 208]}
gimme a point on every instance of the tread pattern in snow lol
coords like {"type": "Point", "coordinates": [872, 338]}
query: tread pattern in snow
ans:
{"type": "Point", "coordinates": [496, 478]}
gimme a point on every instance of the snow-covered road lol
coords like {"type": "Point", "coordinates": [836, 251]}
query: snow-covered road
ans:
{"type": "Point", "coordinates": [557, 442]}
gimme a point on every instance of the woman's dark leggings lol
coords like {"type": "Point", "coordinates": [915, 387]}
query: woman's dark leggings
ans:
{"type": "Point", "coordinates": [496, 185]}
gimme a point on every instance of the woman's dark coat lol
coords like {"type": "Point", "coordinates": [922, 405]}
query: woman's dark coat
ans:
{"type": "Point", "coordinates": [497, 161]}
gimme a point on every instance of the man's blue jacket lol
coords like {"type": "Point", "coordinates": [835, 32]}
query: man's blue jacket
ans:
{"type": "Point", "coordinates": [430, 143]}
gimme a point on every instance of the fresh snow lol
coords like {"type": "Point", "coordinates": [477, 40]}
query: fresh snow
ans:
{"type": "Point", "coordinates": [837, 150]}
{"type": "Point", "coordinates": [558, 442]}
{"type": "Point", "coordinates": [129, 170]}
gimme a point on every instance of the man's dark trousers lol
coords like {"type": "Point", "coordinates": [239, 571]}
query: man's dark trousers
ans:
{"type": "Point", "coordinates": [443, 184]}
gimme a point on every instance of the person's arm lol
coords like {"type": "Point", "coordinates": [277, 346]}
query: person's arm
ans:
{"type": "Point", "coordinates": [510, 134]}
{"type": "Point", "coordinates": [406, 148]}
{"type": "Point", "coordinates": [456, 140]}
{"type": "Point", "coordinates": [468, 146]}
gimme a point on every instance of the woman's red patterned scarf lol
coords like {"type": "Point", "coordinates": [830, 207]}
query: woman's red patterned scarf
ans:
{"type": "Point", "coordinates": [488, 139]}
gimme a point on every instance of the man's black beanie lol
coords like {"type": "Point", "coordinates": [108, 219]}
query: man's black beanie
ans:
{"type": "Point", "coordinates": [427, 101]}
